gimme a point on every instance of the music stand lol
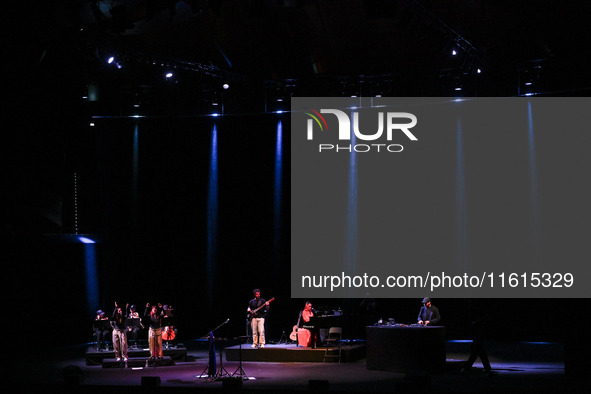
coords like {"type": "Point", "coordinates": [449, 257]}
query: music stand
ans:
{"type": "Point", "coordinates": [283, 338]}
{"type": "Point", "coordinates": [102, 326]}
{"type": "Point", "coordinates": [131, 323]}
{"type": "Point", "coordinates": [221, 372]}
{"type": "Point", "coordinates": [240, 371]}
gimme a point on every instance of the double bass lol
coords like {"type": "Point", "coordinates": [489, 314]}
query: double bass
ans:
{"type": "Point", "coordinates": [168, 333]}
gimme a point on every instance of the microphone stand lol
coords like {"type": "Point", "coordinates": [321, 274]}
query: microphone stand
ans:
{"type": "Point", "coordinates": [221, 372]}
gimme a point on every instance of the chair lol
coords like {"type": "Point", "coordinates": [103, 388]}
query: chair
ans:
{"type": "Point", "coordinates": [333, 339]}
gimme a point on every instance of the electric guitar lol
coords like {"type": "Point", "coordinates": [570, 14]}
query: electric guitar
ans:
{"type": "Point", "coordinates": [252, 313]}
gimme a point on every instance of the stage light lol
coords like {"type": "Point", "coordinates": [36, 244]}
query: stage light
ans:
{"type": "Point", "coordinates": [454, 52]}
{"type": "Point", "coordinates": [169, 75]}
{"type": "Point", "coordinates": [111, 60]}
{"type": "Point", "coordinates": [478, 71]}
{"type": "Point", "coordinates": [85, 240]}
{"type": "Point", "coordinates": [539, 343]}
{"type": "Point", "coordinates": [215, 98]}
{"type": "Point", "coordinates": [215, 114]}
{"type": "Point", "coordinates": [225, 86]}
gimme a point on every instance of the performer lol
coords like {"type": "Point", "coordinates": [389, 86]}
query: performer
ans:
{"type": "Point", "coordinates": [101, 330]}
{"type": "Point", "coordinates": [131, 314]}
{"type": "Point", "coordinates": [155, 330]}
{"type": "Point", "coordinates": [477, 349]}
{"type": "Point", "coordinates": [307, 333]}
{"type": "Point", "coordinates": [257, 319]}
{"type": "Point", "coordinates": [429, 314]}
{"type": "Point", "coordinates": [119, 334]}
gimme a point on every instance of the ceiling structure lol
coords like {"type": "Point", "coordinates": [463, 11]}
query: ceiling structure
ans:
{"type": "Point", "coordinates": [317, 47]}
{"type": "Point", "coordinates": [59, 53]}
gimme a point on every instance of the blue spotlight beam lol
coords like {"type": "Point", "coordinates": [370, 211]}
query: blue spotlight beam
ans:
{"type": "Point", "coordinates": [351, 248]}
{"type": "Point", "coordinates": [212, 213]}
{"type": "Point", "coordinates": [461, 203]}
{"type": "Point", "coordinates": [277, 187]}
{"type": "Point", "coordinates": [90, 274]}
{"type": "Point", "coordinates": [533, 185]}
{"type": "Point", "coordinates": [135, 175]}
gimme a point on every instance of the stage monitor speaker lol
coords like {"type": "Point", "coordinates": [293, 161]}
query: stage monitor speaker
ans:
{"type": "Point", "coordinates": [232, 382]}
{"type": "Point", "coordinates": [151, 381]}
{"type": "Point", "coordinates": [73, 374]}
{"type": "Point", "coordinates": [318, 385]}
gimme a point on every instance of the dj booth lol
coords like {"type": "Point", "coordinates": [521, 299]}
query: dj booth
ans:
{"type": "Point", "coordinates": [405, 347]}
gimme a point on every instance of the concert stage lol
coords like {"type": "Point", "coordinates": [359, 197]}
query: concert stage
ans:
{"type": "Point", "coordinates": [137, 357]}
{"type": "Point", "coordinates": [352, 352]}
{"type": "Point", "coordinates": [517, 367]}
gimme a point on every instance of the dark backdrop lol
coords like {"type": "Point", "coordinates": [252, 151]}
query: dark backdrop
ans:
{"type": "Point", "coordinates": [152, 239]}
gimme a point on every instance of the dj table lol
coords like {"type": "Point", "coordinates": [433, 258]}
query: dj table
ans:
{"type": "Point", "coordinates": [405, 348]}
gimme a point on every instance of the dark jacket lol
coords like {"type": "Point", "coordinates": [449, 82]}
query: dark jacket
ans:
{"type": "Point", "coordinates": [430, 314]}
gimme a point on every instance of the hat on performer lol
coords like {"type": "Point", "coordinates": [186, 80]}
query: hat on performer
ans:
{"type": "Point", "coordinates": [256, 291]}
{"type": "Point", "coordinates": [426, 299]}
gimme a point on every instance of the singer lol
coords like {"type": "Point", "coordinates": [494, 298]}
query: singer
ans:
{"type": "Point", "coordinates": [257, 310]}
{"type": "Point", "coordinates": [155, 315]}
{"type": "Point", "coordinates": [119, 334]}
{"type": "Point", "coordinates": [307, 330]}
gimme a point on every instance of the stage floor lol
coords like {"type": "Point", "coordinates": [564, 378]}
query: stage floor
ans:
{"type": "Point", "coordinates": [136, 356]}
{"type": "Point", "coordinates": [293, 353]}
{"type": "Point", "coordinates": [517, 366]}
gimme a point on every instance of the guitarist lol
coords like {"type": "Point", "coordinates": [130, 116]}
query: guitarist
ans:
{"type": "Point", "coordinates": [257, 310]}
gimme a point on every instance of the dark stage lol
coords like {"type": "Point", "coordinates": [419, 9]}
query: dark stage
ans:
{"type": "Point", "coordinates": [517, 367]}
{"type": "Point", "coordinates": [147, 159]}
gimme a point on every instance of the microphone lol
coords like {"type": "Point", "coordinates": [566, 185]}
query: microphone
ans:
{"type": "Point", "coordinates": [314, 310]}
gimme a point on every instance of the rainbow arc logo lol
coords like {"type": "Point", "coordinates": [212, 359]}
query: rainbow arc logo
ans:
{"type": "Point", "coordinates": [317, 117]}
